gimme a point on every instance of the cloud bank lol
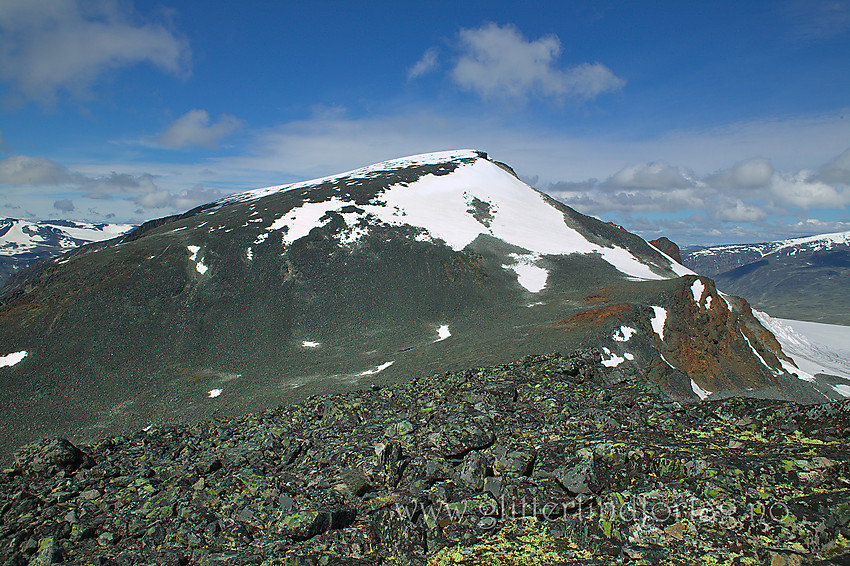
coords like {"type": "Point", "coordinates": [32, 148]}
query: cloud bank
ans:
{"type": "Point", "coordinates": [34, 178]}
{"type": "Point", "coordinates": [48, 46]}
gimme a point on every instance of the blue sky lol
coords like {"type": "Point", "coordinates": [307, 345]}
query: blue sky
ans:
{"type": "Point", "coordinates": [705, 122]}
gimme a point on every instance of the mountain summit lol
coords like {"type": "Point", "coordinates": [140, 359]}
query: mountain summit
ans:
{"type": "Point", "coordinates": [416, 265]}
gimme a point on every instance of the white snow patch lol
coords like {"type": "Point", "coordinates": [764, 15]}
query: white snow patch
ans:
{"type": "Point", "coordinates": [842, 390]}
{"type": "Point", "coordinates": [624, 334]}
{"type": "Point", "coordinates": [750, 344]}
{"type": "Point", "coordinates": [677, 267]}
{"type": "Point", "coordinates": [300, 221]}
{"type": "Point", "coordinates": [697, 289]}
{"type": "Point", "coordinates": [701, 393]}
{"type": "Point", "coordinates": [249, 253]}
{"type": "Point", "coordinates": [794, 370]}
{"type": "Point", "coordinates": [530, 276]}
{"type": "Point", "coordinates": [261, 238]}
{"type": "Point", "coordinates": [814, 347]}
{"type": "Point", "coordinates": [658, 321]}
{"type": "Point", "coordinates": [614, 361]}
{"type": "Point", "coordinates": [708, 302]}
{"type": "Point", "coordinates": [378, 369]}
{"type": "Point", "coordinates": [199, 265]}
{"type": "Point", "coordinates": [11, 359]}
{"type": "Point", "coordinates": [310, 344]}
{"type": "Point", "coordinates": [214, 393]}
{"type": "Point", "coordinates": [443, 333]}
{"type": "Point", "coordinates": [629, 356]}
{"type": "Point", "coordinates": [680, 269]}
{"type": "Point", "coordinates": [666, 361]}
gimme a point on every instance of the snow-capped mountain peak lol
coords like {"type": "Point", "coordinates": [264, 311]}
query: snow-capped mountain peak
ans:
{"type": "Point", "coordinates": [383, 273]}
{"type": "Point", "coordinates": [462, 197]}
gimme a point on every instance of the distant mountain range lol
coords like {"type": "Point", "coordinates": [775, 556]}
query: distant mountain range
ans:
{"type": "Point", "coordinates": [23, 242]}
{"type": "Point", "coordinates": [801, 278]}
{"type": "Point", "coordinates": [413, 266]}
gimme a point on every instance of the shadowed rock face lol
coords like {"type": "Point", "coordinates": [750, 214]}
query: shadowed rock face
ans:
{"type": "Point", "coordinates": [409, 267]}
{"type": "Point", "coordinates": [668, 247]}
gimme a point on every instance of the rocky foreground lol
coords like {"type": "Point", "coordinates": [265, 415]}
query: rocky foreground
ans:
{"type": "Point", "coordinates": [549, 460]}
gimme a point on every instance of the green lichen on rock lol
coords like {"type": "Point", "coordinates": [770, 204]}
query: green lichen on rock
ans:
{"type": "Point", "coordinates": [540, 461]}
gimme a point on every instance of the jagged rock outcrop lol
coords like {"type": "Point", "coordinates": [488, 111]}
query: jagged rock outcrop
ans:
{"type": "Point", "coordinates": [667, 246]}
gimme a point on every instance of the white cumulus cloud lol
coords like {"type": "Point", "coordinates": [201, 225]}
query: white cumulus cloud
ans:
{"type": "Point", "coordinates": [739, 211]}
{"type": "Point", "coordinates": [837, 170]}
{"type": "Point", "coordinates": [51, 45]}
{"type": "Point", "coordinates": [750, 174]}
{"type": "Point", "coordinates": [656, 175]}
{"type": "Point", "coordinates": [498, 62]}
{"type": "Point", "coordinates": [802, 189]}
{"type": "Point", "coordinates": [20, 170]}
{"type": "Point", "coordinates": [194, 129]}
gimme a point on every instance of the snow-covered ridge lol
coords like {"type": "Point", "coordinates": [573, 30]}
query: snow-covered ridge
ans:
{"type": "Point", "coordinates": [24, 236]}
{"type": "Point", "coordinates": [810, 243]}
{"type": "Point", "coordinates": [434, 158]}
{"type": "Point", "coordinates": [477, 198]}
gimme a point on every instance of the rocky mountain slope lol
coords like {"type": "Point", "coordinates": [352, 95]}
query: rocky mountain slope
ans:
{"type": "Point", "coordinates": [801, 278]}
{"type": "Point", "coordinates": [544, 461]}
{"type": "Point", "coordinates": [413, 266]}
{"type": "Point", "coordinates": [23, 242]}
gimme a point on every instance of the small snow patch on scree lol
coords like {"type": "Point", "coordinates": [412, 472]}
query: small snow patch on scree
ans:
{"type": "Point", "coordinates": [199, 265]}
{"type": "Point", "coordinates": [701, 393]}
{"type": "Point", "coordinates": [658, 321]}
{"type": "Point", "coordinates": [378, 369]}
{"type": "Point", "coordinates": [697, 289]}
{"type": "Point", "coordinates": [624, 334]}
{"type": "Point", "coordinates": [443, 333]}
{"type": "Point", "coordinates": [310, 344]}
{"type": "Point", "coordinates": [214, 393]}
{"type": "Point", "coordinates": [612, 362]}
{"type": "Point", "coordinates": [530, 276]}
{"type": "Point", "coordinates": [12, 359]}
